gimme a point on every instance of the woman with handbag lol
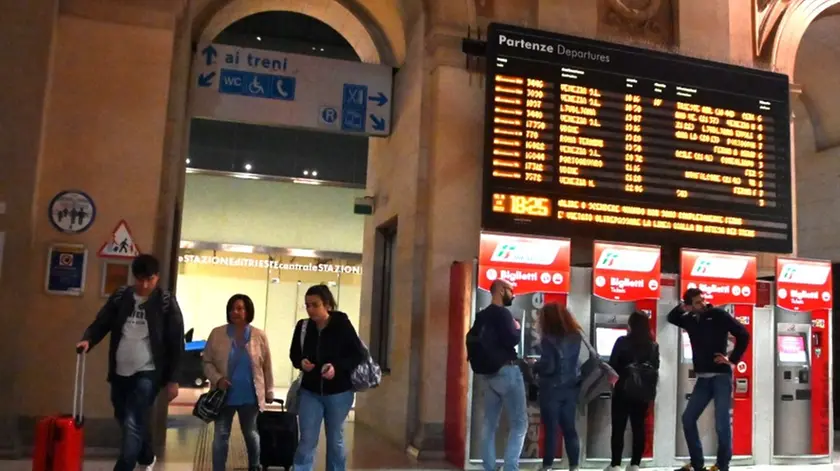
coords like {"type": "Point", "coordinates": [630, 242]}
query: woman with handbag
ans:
{"type": "Point", "coordinates": [237, 361]}
{"type": "Point", "coordinates": [559, 381]}
{"type": "Point", "coordinates": [635, 357]}
{"type": "Point", "coordinates": [327, 349]}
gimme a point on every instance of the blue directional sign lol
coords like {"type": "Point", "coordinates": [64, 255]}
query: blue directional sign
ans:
{"type": "Point", "coordinates": [354, 107]}
{"type": "Point", "coordinates": [250, 84]}
{"type": "Point", "coordinates": [276, 88]}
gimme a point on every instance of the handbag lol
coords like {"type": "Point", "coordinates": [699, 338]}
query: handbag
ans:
{"type": "Point", "coordinates": [292, 400]}
{"type": "Point", "coordinates": [597, 376]}
{"type": "Point", "coordinates": [209, 405]}
{"type": "Point", "coordinates": [367, 375]}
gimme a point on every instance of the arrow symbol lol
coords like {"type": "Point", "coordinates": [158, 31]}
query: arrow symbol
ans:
{"type": "Point", "coordinates": [378, 123]}
{"type": "Point", "coordinates": [209, 54]}
{"type": "Point", "coordinates": [379, 99]}
{"type": "Point", "coordinates": [206, 80]}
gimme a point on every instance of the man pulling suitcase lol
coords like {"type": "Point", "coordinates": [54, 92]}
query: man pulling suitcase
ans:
{"type": "Point", "coordinates": [147, 339]}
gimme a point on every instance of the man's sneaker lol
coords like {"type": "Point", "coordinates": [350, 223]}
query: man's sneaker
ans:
{"type": "Point", "coordinates": [612, 468]}
{"type": "Point", "coordinates": [150, 466]}
{"type": "Point", "coordinates": [632, 467]}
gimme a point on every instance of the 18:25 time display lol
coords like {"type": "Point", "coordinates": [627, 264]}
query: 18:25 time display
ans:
{"type": "Point", "coordinates": [521, 205]}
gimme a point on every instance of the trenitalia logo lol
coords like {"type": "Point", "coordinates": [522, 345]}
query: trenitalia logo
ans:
{"type": "Point", "coordinates": [727, 268]}
{"type": "Point", "coordinates": [527, 252]}
{"type": "Point", "coordinates": [628, 259]}
{"type": "Point", "coordinates": [804, 273]}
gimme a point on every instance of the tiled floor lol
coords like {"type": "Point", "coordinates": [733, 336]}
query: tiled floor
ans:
{"type": "Point", "coordinates": [366, 451]}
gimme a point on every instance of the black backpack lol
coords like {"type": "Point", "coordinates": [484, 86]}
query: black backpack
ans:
{"type": "Point", "coordinates": [484, 357]}
{"type": "Point", "coordinates": [640, 380]}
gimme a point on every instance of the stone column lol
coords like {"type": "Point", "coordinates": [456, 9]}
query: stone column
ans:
{"type": "Point", "coordinates": [30, 27]}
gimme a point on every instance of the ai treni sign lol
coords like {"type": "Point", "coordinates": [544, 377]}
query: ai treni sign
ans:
{"type": "Point", "coordinates": [724, 278]}
{"type": "Point", "coordinates": [279, 89]}
{"type": "Point", "coordinates": [623, 272]}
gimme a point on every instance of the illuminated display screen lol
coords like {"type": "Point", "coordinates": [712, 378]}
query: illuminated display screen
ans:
{"type": "Point", "coordinates": [586, 138]}
{"type": "Point", "coordinates": [791, 349]}
{"type": "Point", "coordinates": [605, 338]}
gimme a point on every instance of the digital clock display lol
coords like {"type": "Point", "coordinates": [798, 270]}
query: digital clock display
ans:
{"type": "Point", "coordinates": [600, 140]}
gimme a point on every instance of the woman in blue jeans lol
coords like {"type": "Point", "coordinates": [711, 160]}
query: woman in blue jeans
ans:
{"type": "Point", "coordinates": [559, 381]}
{"type": "Point", "coordinates": [327, 349]}
{"type": "Point", "coordinates": [236, 359]}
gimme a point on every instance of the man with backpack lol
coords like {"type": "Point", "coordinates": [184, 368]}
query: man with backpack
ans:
{"type": "Point", "coordinates": [147, 339]}
{"type": "Point", "coordinates": [709, 328]}
{"type": "Point", "coordinates": [491, 351]}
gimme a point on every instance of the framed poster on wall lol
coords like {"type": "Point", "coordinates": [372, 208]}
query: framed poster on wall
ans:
{"type": "Point", "coordinates": [66, 269]}
{"type": "Point", "coordinates": [115, 274]}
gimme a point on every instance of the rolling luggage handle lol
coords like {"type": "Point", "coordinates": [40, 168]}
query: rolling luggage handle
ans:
{"type": "Point", "coordinates": [79, 388]}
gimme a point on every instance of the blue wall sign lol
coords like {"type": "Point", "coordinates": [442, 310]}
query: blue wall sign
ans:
{"type": "Point", "coordinates": [66, 268]}
{"type": "Point", "coordinates": [71, 212]}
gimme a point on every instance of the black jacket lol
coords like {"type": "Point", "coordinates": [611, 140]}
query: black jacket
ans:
{"type": "Point", "coordinates": [337, 343]}
{"type": "Point", "coordinates": [507, 336]}
{"type": "Point", "coordinates": [625, 353]}
{"type": "Point", "coordinates": [709, 333]}
{"type": "Point", "coordinates": [166, 330]}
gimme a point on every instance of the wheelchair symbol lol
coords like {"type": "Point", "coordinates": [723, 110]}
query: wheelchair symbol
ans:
{"type": "Point", "coordinates": [256, 87]}
{"type": "Point", "coordinates": [329, 115]}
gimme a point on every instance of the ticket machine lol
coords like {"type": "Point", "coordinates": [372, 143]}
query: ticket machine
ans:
{"type": "Point", "coordinates": [728, 281]}
{"type": "Point", "coordinates": [793, 389]}
{"type": "Point", "coordinates": [802, 407]}
{"type": "Point", "coordinates": [625, 278]}
{"type": "Point", "coordinates": [609, 322]}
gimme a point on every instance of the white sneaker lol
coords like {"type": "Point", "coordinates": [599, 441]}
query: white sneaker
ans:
{"type": "Point", "coordinates": [632, 467]}
{"type": "Point", "coordinates": [612, 468]}
{"type": "Point", "coordinates": [148, 467]}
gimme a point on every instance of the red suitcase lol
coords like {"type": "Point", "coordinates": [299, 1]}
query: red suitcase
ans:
{"type": "Point", "coordinates": [60, 439]}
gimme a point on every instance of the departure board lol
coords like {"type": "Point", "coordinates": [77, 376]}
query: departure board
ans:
{"type": "Point", "coordinates": [598, 140]}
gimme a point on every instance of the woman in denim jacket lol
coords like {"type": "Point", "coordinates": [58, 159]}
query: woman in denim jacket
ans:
{"type": "Point", "coordinates": [559, 381]}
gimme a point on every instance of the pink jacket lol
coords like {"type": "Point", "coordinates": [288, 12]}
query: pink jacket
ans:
{"type": "Point", "coordinates": [217, 352]}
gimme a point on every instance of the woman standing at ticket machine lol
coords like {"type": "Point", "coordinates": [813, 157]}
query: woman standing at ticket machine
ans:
{"type": "Point", "coordinates": [635, 357]}
{"type": "Point", "coordinates": [559, 381]}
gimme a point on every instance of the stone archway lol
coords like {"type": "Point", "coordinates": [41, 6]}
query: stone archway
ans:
{"type": "Point", "coordinates": [814, 148]}
{"type": "Point", "coordinates": [376, 33]}
{"type": "Point", "coordinates": [799, 15]}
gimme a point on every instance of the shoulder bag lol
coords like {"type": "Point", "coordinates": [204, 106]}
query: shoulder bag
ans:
{"type": "Point", "coordinates": [597, 376]}
{"type": "Point", "coordinates": [294, 389]}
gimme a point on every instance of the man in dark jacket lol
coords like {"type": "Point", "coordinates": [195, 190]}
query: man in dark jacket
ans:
{"type": "Point", "coordinates": [147, 338]}
{"type": "Point", "coordinates": [708, 329]}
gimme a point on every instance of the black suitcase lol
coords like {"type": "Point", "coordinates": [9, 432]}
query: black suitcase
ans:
{"type": "Point", "coordinates": [278, 437]}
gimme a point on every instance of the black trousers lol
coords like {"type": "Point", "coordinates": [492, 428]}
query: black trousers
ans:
{"type": "Point", "coordinates": [623, 409]}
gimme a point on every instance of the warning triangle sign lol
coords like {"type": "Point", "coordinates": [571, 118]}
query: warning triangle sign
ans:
{"type": "Point", "coordinates": [121, 244]}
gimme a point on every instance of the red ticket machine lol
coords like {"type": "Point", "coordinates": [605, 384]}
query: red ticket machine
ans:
{"type": "Point", "coordinates": [802, 396]}
{"type": "Point", "coordinates": [625, 278]}
{"type": "Point", "coordinates": [728, 281]}
{"type": "Point", "coordinates": [539, 270]}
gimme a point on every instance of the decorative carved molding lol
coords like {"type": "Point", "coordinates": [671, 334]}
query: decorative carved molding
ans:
{"type": "Point", "coordinates": [647, 21]}
{"type": "Point", "coordinates": [766, 15]}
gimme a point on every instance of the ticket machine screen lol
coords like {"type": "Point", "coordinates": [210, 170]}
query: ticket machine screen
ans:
{"type": "Point", "coordinates": [687, 352]}
{"type": "Point", "coordinates": [605, 338]}
{"type": "Point", "coordinates": [791, 349]}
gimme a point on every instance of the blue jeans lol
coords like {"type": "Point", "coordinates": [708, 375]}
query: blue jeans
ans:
{"type": "Point", "coordinates": [221, 435]}
{"type": "Point", "coordinates": [558, 408]}
{"type": "Point", "coordinates": [504, 389]}
{"type": "Point", "coordinates": [132, 398]}
{"type": "Point", "coordinates": [719, 389]}
{"type": "Point", "coordinates": [333, 410]}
